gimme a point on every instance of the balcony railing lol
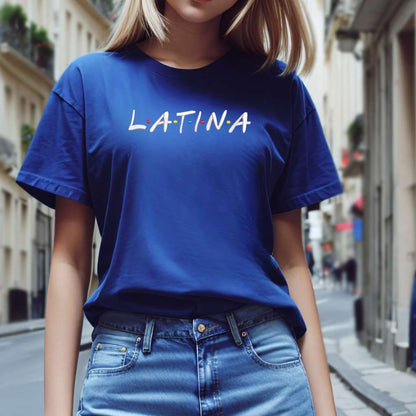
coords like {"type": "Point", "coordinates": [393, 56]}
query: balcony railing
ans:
{"type": "Point", "coordinates": [42, 55]}
{"type": "Point", "coordinates": [106, 7]}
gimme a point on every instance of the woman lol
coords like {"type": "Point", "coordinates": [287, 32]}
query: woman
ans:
{"type": "Point", "coordinates": [194, 148]}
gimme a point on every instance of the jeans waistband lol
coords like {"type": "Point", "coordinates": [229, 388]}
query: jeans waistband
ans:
{"type": "Point", "coordinates": [197, 328]}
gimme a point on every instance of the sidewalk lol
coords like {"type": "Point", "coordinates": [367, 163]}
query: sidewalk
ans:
{"type": "Point", "coordinates": [386, 390]}
{"type": "Point", "coordinates": [21, 327]}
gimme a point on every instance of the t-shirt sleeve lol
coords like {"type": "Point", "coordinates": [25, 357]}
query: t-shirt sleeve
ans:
{"type": "Point", "coordinates": [55, 162]}
{"type": "Point", "coordinates": [309, 174]}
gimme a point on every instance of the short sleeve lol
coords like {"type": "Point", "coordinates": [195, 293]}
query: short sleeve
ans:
{"type": "Point", "coordinates": [309, 175]}
{"type": "Point", "coordinates": [55, 162]}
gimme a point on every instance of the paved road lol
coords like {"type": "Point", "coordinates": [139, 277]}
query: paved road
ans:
{"type": "Point", "coordinates": [21, 375]}
{"type": "Point", "coordinates": [21, 378]}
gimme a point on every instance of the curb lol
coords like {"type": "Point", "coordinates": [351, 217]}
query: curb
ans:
{"type": "Point", "coordinates": [85, 345]}
{"type": "Point", "coordinates": [20, 331]}
{"type": "Point", "coordinates": [379, 401]}
{"type": "Point", "coordinates": [25, 327]}
{"type": "Point", "coordinates": [21, 327]}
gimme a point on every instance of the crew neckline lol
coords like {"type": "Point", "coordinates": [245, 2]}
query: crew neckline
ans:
{"type": "Point", "coordinates": [167, 70]}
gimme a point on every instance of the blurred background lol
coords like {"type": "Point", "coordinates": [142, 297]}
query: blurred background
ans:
{"type": "Point", "coordinates": [360, 245]}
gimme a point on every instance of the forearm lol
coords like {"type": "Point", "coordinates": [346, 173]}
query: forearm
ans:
{"type": "Point", "coordinates": [63, 323]}
{"type": "Point", "coordinates": [311, 344]}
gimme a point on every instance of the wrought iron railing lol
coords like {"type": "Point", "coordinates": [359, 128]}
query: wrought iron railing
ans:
{"type": "Point", "coordinates": [106, 7]}
{"type": "Point", "coordinates": [41, 54]}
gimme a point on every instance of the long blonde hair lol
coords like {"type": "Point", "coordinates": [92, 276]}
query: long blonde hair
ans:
{"type": "Point", "coordinates": [271, 28]}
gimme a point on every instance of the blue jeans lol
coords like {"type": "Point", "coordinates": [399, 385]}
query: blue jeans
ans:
{"type": "Point", "coordinates": [244, 362]}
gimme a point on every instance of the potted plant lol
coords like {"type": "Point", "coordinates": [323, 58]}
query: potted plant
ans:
{"type": "Point", "coordinates": [42, 47]}
{"type": "Point", "coordinates": [13, 18]}
{"type": "Point", "coordinates": [27, 133]}
{"type": "Point", "coordinates": [355, 132]}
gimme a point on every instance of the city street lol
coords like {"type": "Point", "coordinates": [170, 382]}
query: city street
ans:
{"type": "Point", "coordinates": [21, 385]}
{"type": "Point", "coordinates": [266, 108]}
{"type": "Point", "coordinates": [337, 320]}
{"type": "Point", "coordinates": [21, 378]}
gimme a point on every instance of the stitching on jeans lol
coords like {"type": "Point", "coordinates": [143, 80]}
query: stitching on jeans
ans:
{"type": "Point", "coordinates": [217, 394]}
{"type": "Point", "coordinates": [253, 354]}
{"type": "Point", "coordinates": [120, 369]}
{"type": "Point", "coordinates": [260, 361]}
{"type": "Point", "coordinates": [308, 387]}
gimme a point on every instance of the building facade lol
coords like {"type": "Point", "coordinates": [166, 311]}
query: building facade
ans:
{"type": "Point", "coordinates": [321, 221]}
{"type": "Point", "coordinates": [343, 111]}
{"type": "Point", "coordinates": [336, 87]}
{"type": "Point", "coordinates": [387, 30]}
{"type": "Point", "coordinates": [38, 39]}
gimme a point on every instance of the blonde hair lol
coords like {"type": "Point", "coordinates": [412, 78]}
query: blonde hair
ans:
{"type": "Point", "coordinates": [270, 28]}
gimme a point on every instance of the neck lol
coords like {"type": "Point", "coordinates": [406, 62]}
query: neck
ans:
{"type": "Point", "coordinates": [188, 44]}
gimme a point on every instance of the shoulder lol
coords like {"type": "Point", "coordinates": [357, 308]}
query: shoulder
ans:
{"type": "Point", "coordinates": [301, 102]}
{"type": "Point", "coordinates": [84, 72]}
{"type": "Point", "coordinates": [91, 62]}
{"type": "Point", "coordinates": [272, 75]}
{"type": "Point", "coordinates": [301, 99]}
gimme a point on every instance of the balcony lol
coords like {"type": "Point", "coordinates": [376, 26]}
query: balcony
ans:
{"type": "Point", "coordinates": [352, 163]}
{"type": "Point", "coordinates": [339, 14]}
{"type": "Point", "coordinates": [353, 157]}
{"type": "Point", "coordinates": [369, 13]}
{"type": "Point", "coordinates": [106, 8]}
{"type": "Point", "coordinates": [40, 54]}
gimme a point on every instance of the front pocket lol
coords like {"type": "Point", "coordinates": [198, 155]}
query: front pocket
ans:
{"type": "Point", "coordinates": [272, 344]}
{"type": "Point", "coordinates": [113, 352]}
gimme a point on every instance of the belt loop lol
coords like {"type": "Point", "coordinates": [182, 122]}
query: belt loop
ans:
{"type": "Point", "coordinates": [148, 334]}
{"type": "Point", "coordinates": [234, 328]}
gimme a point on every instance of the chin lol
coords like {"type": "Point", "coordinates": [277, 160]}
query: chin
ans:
{"type": "Point", "coordinates": [198, 11]}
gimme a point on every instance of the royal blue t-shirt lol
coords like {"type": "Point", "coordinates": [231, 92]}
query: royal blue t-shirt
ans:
{"type": "Point", "coordinates": [184, 169]}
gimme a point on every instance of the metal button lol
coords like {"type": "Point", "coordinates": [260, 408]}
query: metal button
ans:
{"type": "Point", "coordinates": [201, 327]}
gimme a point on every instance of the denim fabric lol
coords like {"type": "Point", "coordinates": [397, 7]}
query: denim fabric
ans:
{"type": "Point", "coordinates": [245, 362]}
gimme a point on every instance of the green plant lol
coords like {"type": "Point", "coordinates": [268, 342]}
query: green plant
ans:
{"type": "Point", "coordinates": [27, 132]}
{"type": "Point", "coordinates": [355, 131]}
{"type": "Point", "coordinates": [14, 16]}
{"type": "Point", "coordinates": [38, 35]}
{"type": "Point", "coordinates": [109, 4]}
{"type": "Point", "coordinates": [13, 20]}
{"type": "Point", "coordinates": [42, 46]}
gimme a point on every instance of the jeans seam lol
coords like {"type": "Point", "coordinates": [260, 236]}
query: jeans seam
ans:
{"type": "Point", "coordinates": [252, 353]}
{"type": "Point", "coordinates": [117, 370]}
{"type": "Point", "coordinates": [308, 387]}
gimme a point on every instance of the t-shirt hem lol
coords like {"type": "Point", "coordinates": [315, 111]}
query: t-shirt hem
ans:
{"type": "Point", "coordinates": [311, 197]}
{"type": "Point", "coordinates": [40, 187]}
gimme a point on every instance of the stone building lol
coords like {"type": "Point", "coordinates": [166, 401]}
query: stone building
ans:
{"type": "Point", "coordinates": [387, 30]}
{"type": "Point", "coordinates": [37, 41]}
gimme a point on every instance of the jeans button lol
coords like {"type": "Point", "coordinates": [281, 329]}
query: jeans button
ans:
{"type": "Point", "coordinates": [201, 328]}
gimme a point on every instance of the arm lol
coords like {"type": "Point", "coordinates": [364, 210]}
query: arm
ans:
{"type": "Point", "coordinates": [288, 251]}
{"type": "Point", "coordinates": [67, 291]}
